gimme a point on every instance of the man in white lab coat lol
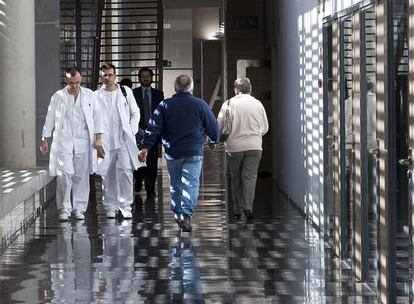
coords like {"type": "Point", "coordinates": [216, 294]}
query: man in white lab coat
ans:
{"type": "Point", "coordinates": [121, 118]}
{"type": "Point", "coordinates": [74, 117]}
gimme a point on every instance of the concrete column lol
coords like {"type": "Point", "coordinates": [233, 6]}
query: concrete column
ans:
{"type": "Point", "coordinates": [48, 70]}
{"type": "Point", "coordinates": [17, 84]}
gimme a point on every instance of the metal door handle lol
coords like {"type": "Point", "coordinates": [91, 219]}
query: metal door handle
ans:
{"type": "Point", "coordinates": [405, 161]}
{"type": "Point", "coordinates": [374, 151]}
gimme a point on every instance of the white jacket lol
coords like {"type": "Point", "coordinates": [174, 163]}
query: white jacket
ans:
{"type": "Point", "coordinates": [249, 123]}
{"type": "Point", "coordinates": [54, 122]}
{"type": "Point", "coordinates": [129, 113]}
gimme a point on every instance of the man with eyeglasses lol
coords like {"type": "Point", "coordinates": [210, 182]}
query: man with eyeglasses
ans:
{"type": "Point", "coordinates": [120, 117]}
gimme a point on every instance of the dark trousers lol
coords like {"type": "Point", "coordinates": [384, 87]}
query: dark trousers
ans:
{"type": "Point", "coordinates": [148, 173]}
{"type": "Point", "coordinates": [243, 176]}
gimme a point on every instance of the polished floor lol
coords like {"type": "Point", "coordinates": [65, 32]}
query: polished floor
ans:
{"type": "Point", "coordinates": [276, 258]}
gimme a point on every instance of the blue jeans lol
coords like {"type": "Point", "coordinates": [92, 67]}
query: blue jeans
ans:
{"type": "Point", "coordinates": [184, 183]}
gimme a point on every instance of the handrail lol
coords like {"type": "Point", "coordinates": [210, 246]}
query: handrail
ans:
{"type": "Point", "coordinates": [97, 44]}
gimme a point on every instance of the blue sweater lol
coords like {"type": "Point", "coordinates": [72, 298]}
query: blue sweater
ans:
{"type": "Point", "coordinates": [182, 121]}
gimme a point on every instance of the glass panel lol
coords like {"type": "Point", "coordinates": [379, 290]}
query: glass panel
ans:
{"type": "Point", "coordinates": [402, 241]}
{"type": "Point", "coordinates": [349, 138]}
{"type": "Point", "coordinates": [329, 141]}
{"type": "Point", "coordinates": [372, 145]}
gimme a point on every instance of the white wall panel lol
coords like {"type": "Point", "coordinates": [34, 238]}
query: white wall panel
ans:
{"type": "Point", "coordinates": [300, 113]}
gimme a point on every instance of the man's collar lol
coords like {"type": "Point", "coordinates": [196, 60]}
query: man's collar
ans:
{"type": "Point", "coordinates": [183, 93]}
{"type": "Point", "coordinates": [103, 87]}
{"type": "Point", "coordinates": [67, 90]}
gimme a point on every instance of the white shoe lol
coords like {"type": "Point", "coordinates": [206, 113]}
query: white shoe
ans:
{"type": "Point", "coordinates": [127, 214]}
{"type": "Point", "coordinates": [63, 215]}
{"type": "Point", "coordinates": [110, 214]}
{"type": "Point", "coordinates": [79, 215]}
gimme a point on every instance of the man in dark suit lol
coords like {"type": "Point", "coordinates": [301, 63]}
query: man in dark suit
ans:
{"type": "Point", "coordinates": [147, 99]}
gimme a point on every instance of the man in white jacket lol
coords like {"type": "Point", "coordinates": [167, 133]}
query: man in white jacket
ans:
{"type": "Point", "coordinates": [244, 145]}
{"type": "Point", "coordinates": [74, 117]}
{"type": "Point", "coordinates": [121, 118]}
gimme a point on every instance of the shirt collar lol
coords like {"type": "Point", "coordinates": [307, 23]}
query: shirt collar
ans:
{"type": "Point", "coordinates": [67, 91]}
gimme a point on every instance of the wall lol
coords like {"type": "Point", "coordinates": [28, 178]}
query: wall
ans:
{"type": "Point", "coordinates": [297, 57]}
{"type": "Point", "coordinates": [47, 62]}
{"type": "Point", "coordinates": [185, 29]}
{"type": "Point", "coordinates": [206, 21]}
{"type": "Point", "coordinates": [178, 46]}
{"type": "Point", "coordinates": [17, 84]}
{"type": "Point", "coordinates": [243, 42]}
{"type": "Point", "coordinates": [211, 73]}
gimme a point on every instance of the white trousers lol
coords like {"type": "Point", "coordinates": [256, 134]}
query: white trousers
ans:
{"type": "Point", "coordinates": [72, 176]}
{"type": "Point", "coordinates": [117, 187]}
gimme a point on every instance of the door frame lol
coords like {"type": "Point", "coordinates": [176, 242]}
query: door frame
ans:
{"type": "Point", "coordinates": [411, 129]}
{"type": "Point", "coordinates": [387, 153]}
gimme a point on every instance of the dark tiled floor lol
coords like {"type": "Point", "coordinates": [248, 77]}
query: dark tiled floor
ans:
{"type": "Point", "coordinates": [277, 258]}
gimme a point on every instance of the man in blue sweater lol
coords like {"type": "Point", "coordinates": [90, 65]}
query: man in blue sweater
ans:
{"type": "Point", "coordinates": [182, 121]}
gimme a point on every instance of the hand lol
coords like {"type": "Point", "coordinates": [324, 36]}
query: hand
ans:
{"type": "Point", "coordinates": [99, 148]}
{"type": "Point", "coordinates": [212, 146]}
{"type": "Point", "coordinates": [142, 155]}
{"type": "Point", "coordinates": [141, 133]}
{"type": "Point", "coordinates": [44, 147]}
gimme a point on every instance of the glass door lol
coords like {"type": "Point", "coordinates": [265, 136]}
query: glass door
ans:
{"type": "Point", "coordinates": [402, 150]}
{"type": "Point", "coordinates": [372, 147]}
{"type": "Point", "coordinates": [348, 142]}
{"type": "Point", "coordinates": [329, 137]}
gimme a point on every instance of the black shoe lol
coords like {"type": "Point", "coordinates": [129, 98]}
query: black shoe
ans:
{"type": "Point", "coordinates": [151, 195]}
{"type": "Point", "coordinates": [237, 216]}
{"type": "Point", "coordinates": [138, 186]}
{"type": "Point", "coordinates": [186, 223]}
{"type": "Point", "coordinates": [248, 214]}
{"type": "Point", "coordinates": [177, 219]}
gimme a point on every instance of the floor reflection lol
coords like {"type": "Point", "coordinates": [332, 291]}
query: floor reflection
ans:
{"type": "Point", "coordinates": [70, 264]}
{"type": "Point", "coordinates": [276, 258]}
{"type": "Point", "coordinates": [185, 282]}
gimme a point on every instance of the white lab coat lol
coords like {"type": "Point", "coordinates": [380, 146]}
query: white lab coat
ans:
{"type": "Point", "coordinates": [129, 113]}
{"type": "Point", "coordinates": [54, 122]}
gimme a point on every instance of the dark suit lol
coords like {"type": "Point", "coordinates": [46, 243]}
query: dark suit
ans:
{"type": "Point", "coordinates": [149, 173]}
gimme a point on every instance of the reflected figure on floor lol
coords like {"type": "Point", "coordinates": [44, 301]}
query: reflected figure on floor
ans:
{"type": "Point", "coordinates": [121, 117]}
{"type": "Point", "coordinates": [74, 116]}
{"type": "Point", "coordinates": [119, 281]}
{"type": "Point", "coordinates": [146, 211]}
{"type": "Point", "coordinates": [71, 272]}
{"type": "Point", "coordinates": [148, 100]}
{"type": "Point", "coordinates": [245, 266]}
{"type": "Point", "coordinates": [185, 281]}
{"type": "Point", "coordinates": [183, 122]}
{"type": "Point", "coordinates": [244, 145]}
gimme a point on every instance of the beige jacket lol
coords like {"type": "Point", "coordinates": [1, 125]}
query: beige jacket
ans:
{"type": "Point", "coordinates": [249, 123]}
